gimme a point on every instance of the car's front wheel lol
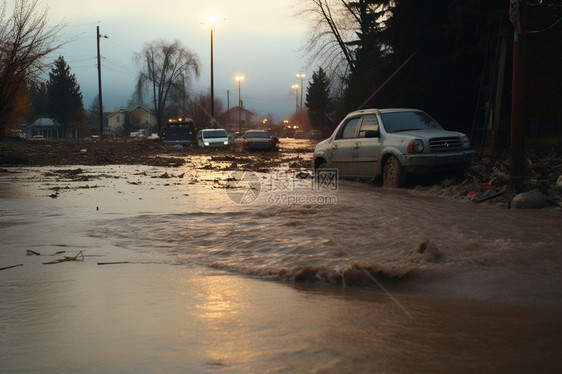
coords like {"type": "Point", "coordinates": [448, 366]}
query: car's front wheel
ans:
{"type": "Point", "coordinates": [322, 165]}
{"type": "Point", "coordinates": [394, 176]}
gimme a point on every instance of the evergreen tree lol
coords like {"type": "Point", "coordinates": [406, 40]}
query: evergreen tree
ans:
{"type": "Point", "coordinates": [319, 103]}
{"type": "Point", "coordinates": [39, 104]}
{"type": "Point", "coordinates": [369, 53]}
{"type": "Point", "coordinates": [450, 38]}
{"type": "Point", "coordinates": [64, 97]}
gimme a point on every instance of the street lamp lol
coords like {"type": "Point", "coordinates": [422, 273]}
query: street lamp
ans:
{"type": "Point", "coordinates": [301, 77]}
{"type": "Point", "coordinates": [239, 79]}
{"type": "Point", "coordinates": [211, 22]}
{"type": "Point", "coordinates": [296, 88]}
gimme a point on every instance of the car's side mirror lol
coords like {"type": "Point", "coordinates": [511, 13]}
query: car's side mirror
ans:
{"type": "Point", "coordinates": [372, 134]}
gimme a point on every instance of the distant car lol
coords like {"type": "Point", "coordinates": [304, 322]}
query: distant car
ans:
{"type": "Point", "coordinates": [258, 139]}
{"type": "Point", "coordinates": [37, 137]}
{"type": "Point", "coordinates": [300, 135]}
{"type": "Point", "coordinates": [212, 138]}
{"type": "Point", "coordinates": [391, 143]}
{"type": "Point", "coordinates": [315, 134]}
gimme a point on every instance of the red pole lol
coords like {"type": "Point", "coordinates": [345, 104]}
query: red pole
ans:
{"type": "Point", "coordinates": [518, 16]}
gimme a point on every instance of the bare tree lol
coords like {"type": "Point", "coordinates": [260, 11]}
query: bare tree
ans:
{"type": "Point", "coordinates": [199, 110]}
{"type": "Point", "coordinates": [164, 68]}
{"type": "Point", "coordinates": [25, 41]}
{"type": "Point", "coordinates": [328, 33]}
{"type": "Point", "coordinates": [337, 28]}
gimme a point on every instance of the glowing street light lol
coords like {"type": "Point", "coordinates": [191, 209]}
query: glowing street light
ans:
{"type": "Point", "coordinates": [239, 78]}
{"type": "Point", "coordinates": [211, 22]}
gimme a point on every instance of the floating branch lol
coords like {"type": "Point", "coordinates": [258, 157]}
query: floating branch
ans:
{"type": "Point", "coordinates": [78, 257]}
{"type": "Point", "coordinates": [9, 267]}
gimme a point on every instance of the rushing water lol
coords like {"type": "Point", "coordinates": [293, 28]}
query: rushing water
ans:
{"type": "Point", "coordinates": [355, 234]}
{"type": "Point", "coordinates": [345, 290]}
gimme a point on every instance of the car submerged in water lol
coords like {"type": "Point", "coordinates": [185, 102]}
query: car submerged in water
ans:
{"type": "Point", "coordinates": [391, 143]}
{"type": "Point", "coordinates": [179, 130]}
{"type": "Point", "coordinates": [258, 139]}
{"type": "Point", "coordinates": [213, 138]}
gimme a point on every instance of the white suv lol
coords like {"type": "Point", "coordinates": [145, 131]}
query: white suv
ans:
{"type": "Point", "coordinates": [213, 138]}
{"type": "Point", "coordinates": [391, 143]}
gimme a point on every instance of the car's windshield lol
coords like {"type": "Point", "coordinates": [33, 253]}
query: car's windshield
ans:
{"type": "Point", "coordinates": [407, 121]}
{"type": "Point", "coordinates": [214, 134]}
{"type": "Point", "coordinates": [256, 134]}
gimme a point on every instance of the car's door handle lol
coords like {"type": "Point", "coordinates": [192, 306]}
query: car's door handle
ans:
{"type": "Point", "coordinates": [356, 145]}
{"type": "Point", "coordinates": [335, 147]}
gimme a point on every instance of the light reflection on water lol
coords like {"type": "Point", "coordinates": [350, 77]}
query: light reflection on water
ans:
{"type": "Point", "coordinates": [173, 309]}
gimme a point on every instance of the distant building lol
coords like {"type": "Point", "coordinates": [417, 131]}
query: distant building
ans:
{"type": "Point", "coordinates": [126, 118]}
{"type": "Point", "coordinates": [239, 119]}
{"type": "Point", "coordinates": [48, 127]}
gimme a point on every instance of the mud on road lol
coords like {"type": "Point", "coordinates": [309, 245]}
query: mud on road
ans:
{"type": "Point", "coordinates": [485, 181]}
{"type": "Point", "coordinates": [148, 152]}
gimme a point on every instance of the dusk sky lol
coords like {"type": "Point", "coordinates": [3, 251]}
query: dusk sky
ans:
{"type": "Point", "coordinates": [260, 39]}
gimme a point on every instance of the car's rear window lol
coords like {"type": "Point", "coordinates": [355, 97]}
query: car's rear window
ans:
{"type": "Point", "coordinates": [407, 121]}
{"type": "Point", "coordinates": [257, 134]}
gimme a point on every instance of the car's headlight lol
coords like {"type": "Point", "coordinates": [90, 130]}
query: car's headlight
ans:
{"type": "Point", "coordinates": [415, 146]}
{"type": "Point", "coordinates": [226, 142]}
{"type": "Point", "coordinates": [465, 141]}
{"type": "Point", "coordinates": [206, 144]}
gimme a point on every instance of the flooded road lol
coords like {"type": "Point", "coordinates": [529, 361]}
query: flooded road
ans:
{"type": "Point", "coordinates": [296, 278]}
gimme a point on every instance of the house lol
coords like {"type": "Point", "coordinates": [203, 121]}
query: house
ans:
{"type": "Point", "coordinates": [48, 127]}
{"type": "Point", "coordinates": [126, 118]}
{"type": "Point", "coordinates": [239, 119]}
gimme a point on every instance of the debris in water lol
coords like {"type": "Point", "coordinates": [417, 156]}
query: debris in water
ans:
{"type": "Point", "coordinates": [29, 252]}
{"type": "Point", "coordinates": [432, 254]}
{"type": "Point", "coordinates": [422, 246]}
{"type": "Point", "coordinates": [113, 263]}
{"type": "Point", "coordinates": [78, 257]}
{"type": "Point", "coordinates": [10, 267]}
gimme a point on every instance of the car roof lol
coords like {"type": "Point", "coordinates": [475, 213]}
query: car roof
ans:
{"type": "Point", "coordinates": [380, 111]}
{"type": "Point", "coordinates": [213, 130]}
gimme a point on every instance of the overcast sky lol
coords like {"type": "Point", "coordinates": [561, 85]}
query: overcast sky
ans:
{"type": "Point", "coordinates": [260, 39]}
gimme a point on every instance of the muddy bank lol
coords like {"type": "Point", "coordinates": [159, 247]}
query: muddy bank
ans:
{"type": "Point", "coordinates": [487, 179]}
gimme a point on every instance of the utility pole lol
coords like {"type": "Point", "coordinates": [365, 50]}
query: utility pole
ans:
{"type": "Point", "coordinates": [296, 88]}
{"type": "Point", "coordinates": [301, 76]}
{"type": "Point", "coordinates": [212, 81]}
{"type": "Point", "coordinates": [518, 17]}
{"type": "Point", "coordinates": [239, 79]}
{"type": "Point", "coordinates": [99, 80]}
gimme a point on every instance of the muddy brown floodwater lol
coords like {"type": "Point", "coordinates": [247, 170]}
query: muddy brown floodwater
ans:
{"type": "Point", "coordinates": [276, 274]}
